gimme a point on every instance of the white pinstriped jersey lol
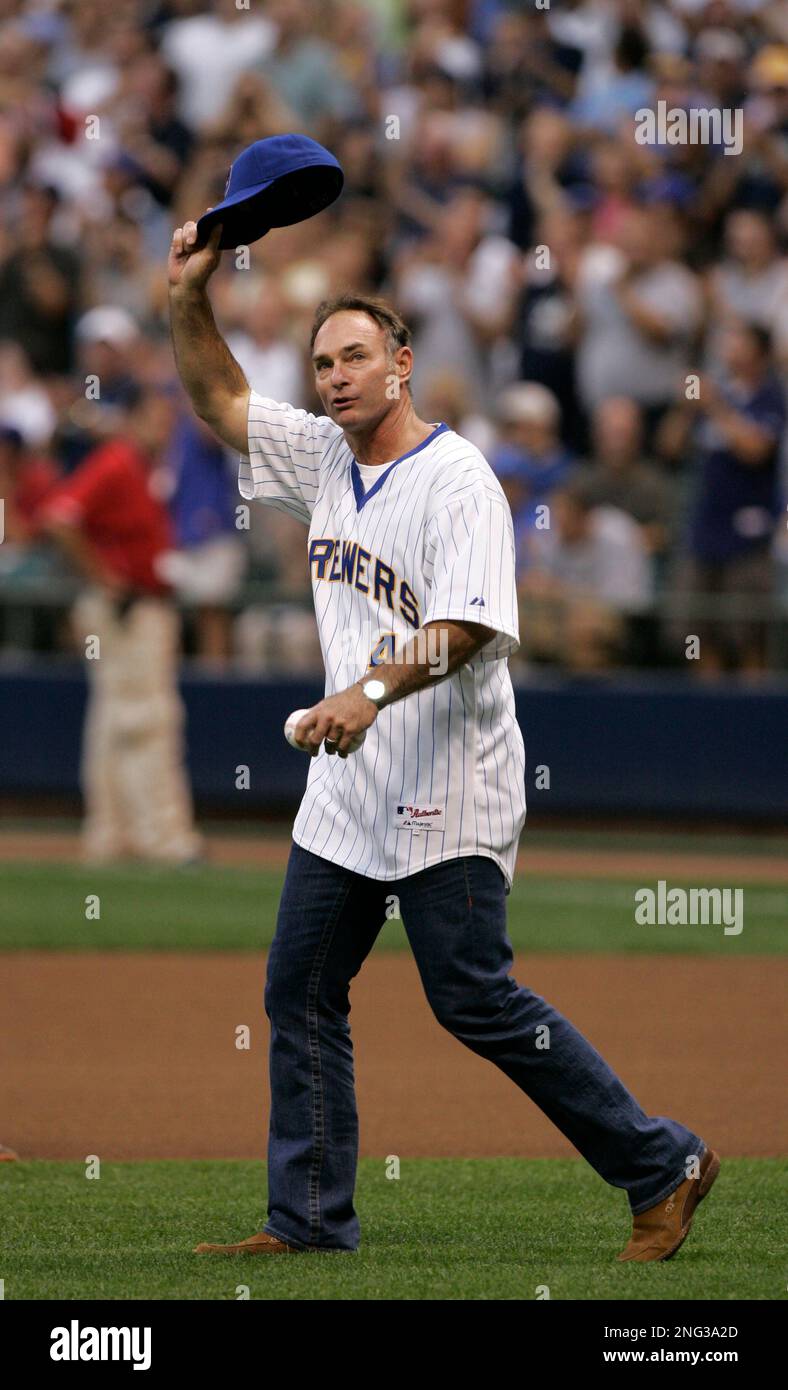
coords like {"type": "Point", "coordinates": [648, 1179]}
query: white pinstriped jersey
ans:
{"type": "Point", "coordinates": [441, 773]}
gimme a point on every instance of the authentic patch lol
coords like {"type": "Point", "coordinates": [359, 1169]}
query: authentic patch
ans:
{"type": "Point", "coordinates": [420, 817]}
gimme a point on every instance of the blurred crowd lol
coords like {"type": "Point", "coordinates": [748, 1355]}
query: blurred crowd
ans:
{"type": "Point", "coordinates": [606, 319]}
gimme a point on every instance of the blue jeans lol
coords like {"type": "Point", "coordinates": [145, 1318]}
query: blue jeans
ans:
{"type": "Point", "coordinates": [455, 918]}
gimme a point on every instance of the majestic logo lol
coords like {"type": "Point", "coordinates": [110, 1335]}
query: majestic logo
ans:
{"type": "Point", "coordinates": [480, 602]}
{"type": "Point", "coordinates": [418, 818]}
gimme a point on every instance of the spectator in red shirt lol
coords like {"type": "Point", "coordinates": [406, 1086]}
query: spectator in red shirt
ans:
{"type": "Point", "coordinates": [106, 516]}
{"type": "Point", "coordinates": [108, 521]}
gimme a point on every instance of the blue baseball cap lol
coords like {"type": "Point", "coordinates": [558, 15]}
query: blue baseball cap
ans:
{"type": "Point", "coordinates": [273, 183]}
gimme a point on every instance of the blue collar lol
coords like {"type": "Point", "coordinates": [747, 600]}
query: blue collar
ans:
{"type": "Point", "coordinates": [358, 487]}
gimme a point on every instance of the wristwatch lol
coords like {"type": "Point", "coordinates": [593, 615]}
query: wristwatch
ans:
{"type": "Point", "coordinates": [375, 691]}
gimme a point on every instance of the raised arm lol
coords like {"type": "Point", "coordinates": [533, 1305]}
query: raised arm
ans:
{"type": "Point", "coordinates": [218, 388]}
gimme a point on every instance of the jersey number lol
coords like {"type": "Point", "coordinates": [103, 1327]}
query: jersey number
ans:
{"type": "Point", "coordinates": [383, 651]}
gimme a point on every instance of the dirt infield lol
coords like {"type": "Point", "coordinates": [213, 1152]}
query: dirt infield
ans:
{"type": "Point", "coordinates": [267, 851]}
{"type": "Point", "coordinates": [133, 1056]}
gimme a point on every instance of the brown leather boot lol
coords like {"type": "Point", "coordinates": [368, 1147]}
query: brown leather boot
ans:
{"type": "Point", "coordinates": [658, 1232]}
{"type": "Point", "coordinates": [261, 1244]}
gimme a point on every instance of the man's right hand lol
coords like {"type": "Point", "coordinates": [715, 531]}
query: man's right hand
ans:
{"type": "Point", "coordinates": [190, 267]}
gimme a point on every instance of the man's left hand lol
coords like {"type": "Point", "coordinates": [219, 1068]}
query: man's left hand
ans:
{"type": "Point", "coordinates": [338, 720]}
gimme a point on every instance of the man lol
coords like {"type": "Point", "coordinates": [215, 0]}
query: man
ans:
{"type": "Point", "coordinates": [459, 285]}
{"type": "Point", "coordinates": [729, 562]}
{"type": "Point", "coordinates": [39, 285]}
{"type": "Point", "coordinates": [209, 51]}
{"type": "Point", "coordinates": [411, 555]}
{"type": "Point", "coordinates": [529, 460]}
{"type": "Point", "coordinates": [109, 346]}
{"type": "Point", "coordinates": [638, 311]}
{"type": "Point", "coordinates": [303, 68]}
{"type": "Point", "coordinates": [544, 321]}
{"type": "Point", "coordinates": [589, 575]}
{"type": "Point", "coordinates": [622, 476]}
{"type": "Point", "coordinates": [107, 521]}
{"type": "Point", "coordinates": [750, 282]}
{"type": "Point", "coordinates": [207, 569]}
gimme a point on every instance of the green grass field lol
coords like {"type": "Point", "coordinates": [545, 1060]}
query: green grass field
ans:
{"type": "Point", "coordinates": [216, 908]}
{"type": "Point", "coordinates": [446, 1229]}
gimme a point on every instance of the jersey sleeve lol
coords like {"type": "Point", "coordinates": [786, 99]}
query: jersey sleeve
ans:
{"type": "Point", "coordinates": [282, 467]}
{"type": "Point", "coordinates": [470, 568]}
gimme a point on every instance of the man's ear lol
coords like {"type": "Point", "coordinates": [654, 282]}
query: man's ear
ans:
{"type": "Point", "coordinates": [403, 359]}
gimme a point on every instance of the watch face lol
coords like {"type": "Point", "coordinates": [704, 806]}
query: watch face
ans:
{"type": "Point", "coordinates": [374, 690]}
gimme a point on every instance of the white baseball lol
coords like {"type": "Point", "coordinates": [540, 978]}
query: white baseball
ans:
{"type": "Point", "coordinates": [297, 716]}
{"type": "Point", "coordinates": [290, 726]}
